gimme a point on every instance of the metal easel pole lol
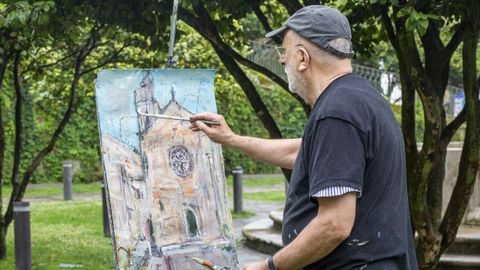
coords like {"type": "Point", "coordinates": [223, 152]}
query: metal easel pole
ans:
{"type": "Point", "coordinates": [171, 59]}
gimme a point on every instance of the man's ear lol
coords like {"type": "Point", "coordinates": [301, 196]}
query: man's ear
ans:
{"type": "Point", "coordinates": [304, 59]}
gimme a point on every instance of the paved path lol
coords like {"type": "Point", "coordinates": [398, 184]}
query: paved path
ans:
{"type": "Point", "coordinates": [261, 210]}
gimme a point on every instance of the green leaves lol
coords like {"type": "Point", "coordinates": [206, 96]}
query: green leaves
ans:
{"type": "Point", "coordinates": [23, 5]}
{"type": "Point", "coordinates": [43, 19]}
{"type": "Point", "coordinates": [41, 11]}
{"type": "Point", "coordinates": [25, 23]}
{"type": "Point", "coordinates": [23, 14]}
{"type": "Point", "coordinates": [46, 6]}
{"type": "Point", "coordinates": [404, 11]}
{"type": "Point", "coordinates": [416, 20]}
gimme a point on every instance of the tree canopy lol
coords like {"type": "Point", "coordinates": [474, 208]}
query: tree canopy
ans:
{"type": "Point", "coordinates": [49, 51]}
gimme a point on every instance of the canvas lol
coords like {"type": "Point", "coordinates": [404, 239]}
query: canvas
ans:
{"type": "Point", "coordinates": [165, 184]}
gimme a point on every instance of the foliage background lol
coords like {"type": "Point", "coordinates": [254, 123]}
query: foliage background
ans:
{"type": "Point", "coordinates": [79, 143]}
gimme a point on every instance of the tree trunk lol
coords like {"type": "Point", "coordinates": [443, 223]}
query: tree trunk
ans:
{"type": "Point", "coordinates": [3, 238]}
{"type": "Point", "coordinates": [252, 95]}
{"type": "Point", "coordinates": [3, 244]}
{"type": "Point", "coordinates": [228, 57]}
{"type": "Point", "coordinates": [206, 27]}
{"type": "Point", "coordinates": [254, 99]}
{"type": "Point", "coordinates": [470, 158]}
{"type": "Point", "coordinates": [426, 170]}
{"type": "Point", "coordinates": [19, 190]}
{"type": "Point", "coordinates": [426, 165]}
{"type": "Point", "coordinates": [18, 148]}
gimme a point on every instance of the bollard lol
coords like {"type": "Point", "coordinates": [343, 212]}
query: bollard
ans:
{"type": "Point", "coordinates": [21, 230]}
{"type": "Point", "coordinates": [237, 189]}
{"type": "Point", "coordinates": [106, 222]}
{"type": "Point", "coordinates": [67, 181]}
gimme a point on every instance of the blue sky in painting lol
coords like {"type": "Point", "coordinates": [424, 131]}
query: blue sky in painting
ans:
{"type": "Point", "coordinates": [115, 97]}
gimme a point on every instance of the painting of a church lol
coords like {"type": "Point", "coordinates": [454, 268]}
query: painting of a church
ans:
{"type": "Point", "coordinates": [167, 190]}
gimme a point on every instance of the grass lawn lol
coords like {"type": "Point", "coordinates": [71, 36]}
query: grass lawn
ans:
{"type": "Point", "coordinates": [242, 214]}
{"type": "Point", "coordinates": [65, 232]}
{"type": "Point", "coordinates": [69, 232]}
{"type": "Point", "coordinates": [95, 187]}
{"type": "Point", "coordinates": [266, 196]}
{"type": "Point", "coordinates": [277, 196]}
{"type": "Point", "coordinates": [46, 191]}
{"type": "Point", "coordinates": [257, 182]}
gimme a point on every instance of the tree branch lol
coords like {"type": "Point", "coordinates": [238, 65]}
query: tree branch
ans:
{"type": "Point", "coordinates": [255, 4]}
{"type": "Point", "coordinates": [454, 42]}
{"type": "Point", "coordinates": [205, 26]}
{"type": "Point", "coordinates": [251, 93]}
{"type": "Point", "coordinates": [253, 97]}
{"type": "Point", "coordinates": [32, 67]}
{"type": "Point", "coordinates": [89, 47]}
{"type": "Point", "coordinates": [19, 190]}
{"type": "Point", "coordinates": [291, 5]}
{"type": "Point", "coordinates": [408, 90]}
{"type": "Point", "coordinates": [453, 126]}
{"type": "Point", "coordinates": [469, 160]}
{"type": "Point", "coordinates": [18, 148]}
{"type": "Point", "coordinates": [389, 28]}
{"type": "Point", "coordinates": [437, 56]}
{"type": "Point", "coordinates": [3, 67]}
{"type": "Point", "coordinates": [311, 2]}
{"type": "Point", "coordinates": [210, 33]}
{"type": "Point", "coordinates": [431, 39]}
{"type": "Point", "coordinates": [263, 19]}
{"type": "Point", "coordinates": [106, 61]}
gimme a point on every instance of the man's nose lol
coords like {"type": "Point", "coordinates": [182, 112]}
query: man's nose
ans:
{"type": "Point", "coordinates": [282, 60]}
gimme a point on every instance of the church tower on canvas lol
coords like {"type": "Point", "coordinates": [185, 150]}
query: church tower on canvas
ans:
{"type": "Point", "coordinates": [165, 184]}
{"type": "Point", "coordinates": [184, 189]}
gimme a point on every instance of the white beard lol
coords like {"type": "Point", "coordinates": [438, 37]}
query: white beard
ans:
{"type": "Point", "coordinates": [296, 84]}
{"type": "Point", "coordinates": [292, 79]}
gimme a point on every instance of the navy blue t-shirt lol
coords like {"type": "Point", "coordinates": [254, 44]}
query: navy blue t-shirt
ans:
{"type": "Point", "coordinates": [352, 139]}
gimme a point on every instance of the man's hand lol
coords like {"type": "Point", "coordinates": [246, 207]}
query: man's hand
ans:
{"type": "Point", "coordinates": [256, 266]}
{"type": "Point", "coordinates": [278, 152]}
{"type": "Point", "coordinates": [218, 133]}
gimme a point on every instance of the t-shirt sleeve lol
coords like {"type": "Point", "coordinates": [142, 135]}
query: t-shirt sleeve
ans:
{"type": "Point", "coordinates": [336, 156]}
{"type": "Point", "coordinates": [334, 191]}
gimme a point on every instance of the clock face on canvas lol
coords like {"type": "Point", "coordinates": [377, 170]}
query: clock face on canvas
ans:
{"type": "Point", "coordinates": [180, 160]}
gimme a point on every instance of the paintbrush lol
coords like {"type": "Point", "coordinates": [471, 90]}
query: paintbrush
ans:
{"type": "Point", "coordinates": [169, 117]}
{"type": "Point", "coordinates": [208, 264]}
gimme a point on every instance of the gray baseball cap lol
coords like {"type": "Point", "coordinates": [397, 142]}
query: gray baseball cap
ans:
{"type": "Point", "coordinates": [319, 24]}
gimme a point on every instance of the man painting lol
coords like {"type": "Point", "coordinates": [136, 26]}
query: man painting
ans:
{"type": "Point", "coordinates": [347, 205]}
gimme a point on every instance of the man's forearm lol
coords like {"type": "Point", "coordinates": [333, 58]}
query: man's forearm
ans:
{"type": "Point", "coordinates": [316, 241]}
{"type": "Point", "coordinates": [278, 152]}
{"type": "Point", "coordinates": [331, 226]}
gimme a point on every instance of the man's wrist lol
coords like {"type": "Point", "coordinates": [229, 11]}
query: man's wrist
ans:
{"type": "Point", "coordinates": [233, 140]}
{"type": "Point", "coordinates": [270, 264]}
